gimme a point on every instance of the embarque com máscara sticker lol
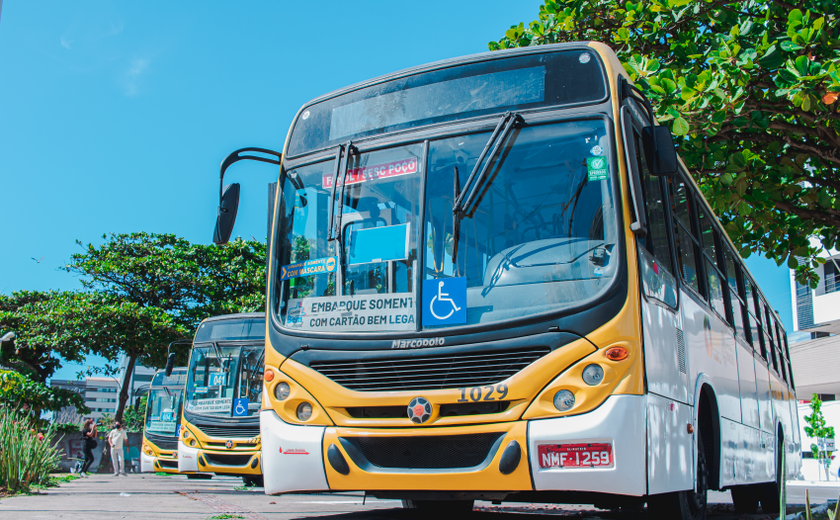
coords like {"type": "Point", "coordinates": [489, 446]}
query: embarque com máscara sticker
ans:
{"type": "Point", "coordinates": [309, 268]}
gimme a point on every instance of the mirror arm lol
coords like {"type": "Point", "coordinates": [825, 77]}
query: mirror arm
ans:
{"type": "Point", "coordinates": [237, 156]}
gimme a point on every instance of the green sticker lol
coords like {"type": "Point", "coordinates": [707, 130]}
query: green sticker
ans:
{"type": "Point", "coordinates": [597, 168]}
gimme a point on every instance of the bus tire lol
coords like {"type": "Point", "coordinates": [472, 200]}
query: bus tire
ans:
{"type": "Point", "coordinates": [769, 492]}
{"type": "Point", "coordinates": [684, 505]}
{"type": "Point", "coordinates": [450, 506]}
{"type": "Point", "coordinates": [745, 499]}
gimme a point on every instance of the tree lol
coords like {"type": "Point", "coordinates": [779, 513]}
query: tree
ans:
{"type": "Point", "coordinates": [107, 325]}
{"type": "Point", "coordinates": [19, 392]}
{"type": "Point", "coordinates": [187, 281]}
{"type": "Point", "coordinates": [33, 354]}
{"type": "Point", "coordinates": [155, 288]}
{"type": "Point", "coordinates": [751, 90]}
{"type": "Point", "coordinates": [817, 430]}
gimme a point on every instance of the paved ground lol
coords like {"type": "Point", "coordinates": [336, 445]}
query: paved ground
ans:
{"type": "Point", "coordinates": [153, 497]}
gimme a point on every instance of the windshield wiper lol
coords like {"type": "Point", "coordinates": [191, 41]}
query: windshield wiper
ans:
{"type": "Point", "coordinates": [338, 152]}
{"type": "Point", "coordinates": [461, 207]}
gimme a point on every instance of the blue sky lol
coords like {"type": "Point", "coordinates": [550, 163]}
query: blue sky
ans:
{"type": "Point", "coordinates": [114, 116]}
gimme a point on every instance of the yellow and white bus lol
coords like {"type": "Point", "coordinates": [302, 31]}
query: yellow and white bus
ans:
{"type": "Point", "coordinates": [491, 278]}
{"type": "Point", "coordinates": [163, 422]}
{"type": "Point", "coordinates": [220, 429]}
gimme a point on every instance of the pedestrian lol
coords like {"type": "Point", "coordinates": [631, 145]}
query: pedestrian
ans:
{"type": "Point", "coordinates": [89, 433]}
{"type": "Point", "coordinates": [116, 438]}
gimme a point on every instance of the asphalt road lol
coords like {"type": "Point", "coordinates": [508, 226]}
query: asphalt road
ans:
{"type": "Point", "coordinates": [175, 497]}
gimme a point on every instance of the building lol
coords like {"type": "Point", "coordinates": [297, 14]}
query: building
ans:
{"type": "Point", "coordinates": [816, 312]}
{"type": "Point", "coordinates": [102, 394]}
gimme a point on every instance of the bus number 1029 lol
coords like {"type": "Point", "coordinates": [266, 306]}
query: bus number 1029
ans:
{"type": "Point", "coordinates": [483, 393]}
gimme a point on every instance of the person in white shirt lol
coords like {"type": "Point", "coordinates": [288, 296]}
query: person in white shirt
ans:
{"type": "Point", "coordinates": [116, 438]}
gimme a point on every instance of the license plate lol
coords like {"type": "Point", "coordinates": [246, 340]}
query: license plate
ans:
{"type": "Point", "coordinates": [597, 455]}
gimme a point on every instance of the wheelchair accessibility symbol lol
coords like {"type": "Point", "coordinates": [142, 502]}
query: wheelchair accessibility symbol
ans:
{"type": "Point", "coordinates": [240, 407]}
{"type": "Point", "coordinates": [445, 301]}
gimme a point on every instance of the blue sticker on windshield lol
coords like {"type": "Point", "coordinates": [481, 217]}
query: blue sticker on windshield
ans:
{"type": "Point", "coordinates": [309, 268]}
{"type": "Point", "coordinates": [445, 301]}
{"type": "Point", "coordinates": [378, 244]}
{"type": "Point", "coordinates": [218, 379]}
{"type": "Point", "coordinates": [240, 407]}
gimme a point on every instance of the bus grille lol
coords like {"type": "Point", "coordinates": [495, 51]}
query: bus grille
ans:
{"type": "Point", "coordinates": [429, 372]}
{"type": "Point", "coordinates": [227, 432]}
{"type": "Point", "coordinates": [168, 464]}
{"type": "Point", "coordinates": [433, 452]}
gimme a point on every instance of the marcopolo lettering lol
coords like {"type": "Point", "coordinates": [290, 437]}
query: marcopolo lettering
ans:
{"type": "Point", "coordinates": [415, 343]}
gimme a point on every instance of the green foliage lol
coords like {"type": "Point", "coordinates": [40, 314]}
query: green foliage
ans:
{"type": "Point", "coordinates": [135, 416]}
{"type": "Point", "coordinates": [18, 392]}
{"type": "Point", "coordinates": [187, 281]}
{"type": "Point", "coordinates": [149, 290]}
{"type": "Point", "coordinates": [817, 429]}
{"type": "Point", "coordinates": [33, 353]}
{"type": "Point", "coordinates": [751, 90]}
{"type": "Point", "coordinates": [26, 455]}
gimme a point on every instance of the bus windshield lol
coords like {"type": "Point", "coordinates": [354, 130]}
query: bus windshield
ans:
{"type": "Point", "coordinates": [163, 411]}
{"type": "Point", "coordinates": [163, 408]}
{"type": "Point", "coordinates": [540, 236]}
{"type": "Point", "coordinates": [225, 381]}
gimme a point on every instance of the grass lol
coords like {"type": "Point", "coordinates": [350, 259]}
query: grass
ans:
{"type": "Point", "coordinates": [26, 456]}
{"type": "Point", "coordinates": [224, 516]}
{"type": "Point", "coordinates": [161, 474]}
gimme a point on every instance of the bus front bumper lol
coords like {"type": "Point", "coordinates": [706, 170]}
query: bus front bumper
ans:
{"type": "Point", "coordinates": [151, 464]}
{"type": "Point", "coordinates": [309, 458]}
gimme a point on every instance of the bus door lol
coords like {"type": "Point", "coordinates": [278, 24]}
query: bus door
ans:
{"type": "Point", "coordinates": [665, 356]}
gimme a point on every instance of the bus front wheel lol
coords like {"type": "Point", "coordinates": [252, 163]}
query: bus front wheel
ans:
{"type": "Point", "coordinates": [684, 505]}
{"type": "Point", "coordinates": [451, 506]}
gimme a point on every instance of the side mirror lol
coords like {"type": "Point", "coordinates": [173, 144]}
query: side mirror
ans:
{"type": "Point", "coordinates": [660, 155]}
{"type": "Point", "coordinates": [228, 207]}
{"type": "Point", "coordinates": [170, 364]}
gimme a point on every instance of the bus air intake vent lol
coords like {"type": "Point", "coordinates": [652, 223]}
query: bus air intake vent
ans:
{"type": "Point", "coordinates": [228, 432]}
{"type": "Point", "coordinates": [218, 459]}
{"type": "Point", "coordinates": [681, 350]}
{"type": "Point", "coordinates": [432, 452]}
{"type": "Point", "coordinates": [431, 372]}
{"type": "Point", "coordinates": [164, 444]}
{"type": "Point", "coordinates": [168, 464]}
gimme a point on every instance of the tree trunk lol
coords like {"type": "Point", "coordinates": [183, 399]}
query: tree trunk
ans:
{"type": "Point", "coordinates": [129, 370]}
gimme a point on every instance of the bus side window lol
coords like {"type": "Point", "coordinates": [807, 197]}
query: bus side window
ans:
{"type": "Point", "coordinates": [768, 335]}
{"type": "Point", "coordinates": [751, 314]}
{"type": "Point", "coordinates": [738, 307]}
{"type": "Point", "coordinates": [686, 243]}
{"type": "Point", "coordinates": [713, 274]}
{"type": "Point", "coordinates": [789, 365]}
{"type": "Point", "coordinates": [780, 348]}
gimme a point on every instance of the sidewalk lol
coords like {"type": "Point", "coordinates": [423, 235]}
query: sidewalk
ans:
{"type": "Point", "coordinates": [106, 496]}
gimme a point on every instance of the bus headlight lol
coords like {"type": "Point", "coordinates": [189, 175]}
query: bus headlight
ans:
{"type": "Point", "coordinates": [282, 391]}
{"type": "Point", "coordinates": [593, 375]}
{"type": "Point", "coordinates": [192, 442]}
{"type": "Point", "coordinates": [564, 400]}
{"type": "Point", "coordinates": [304, 412]}
{"type": "Point", "coordinates": [147, 450]}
